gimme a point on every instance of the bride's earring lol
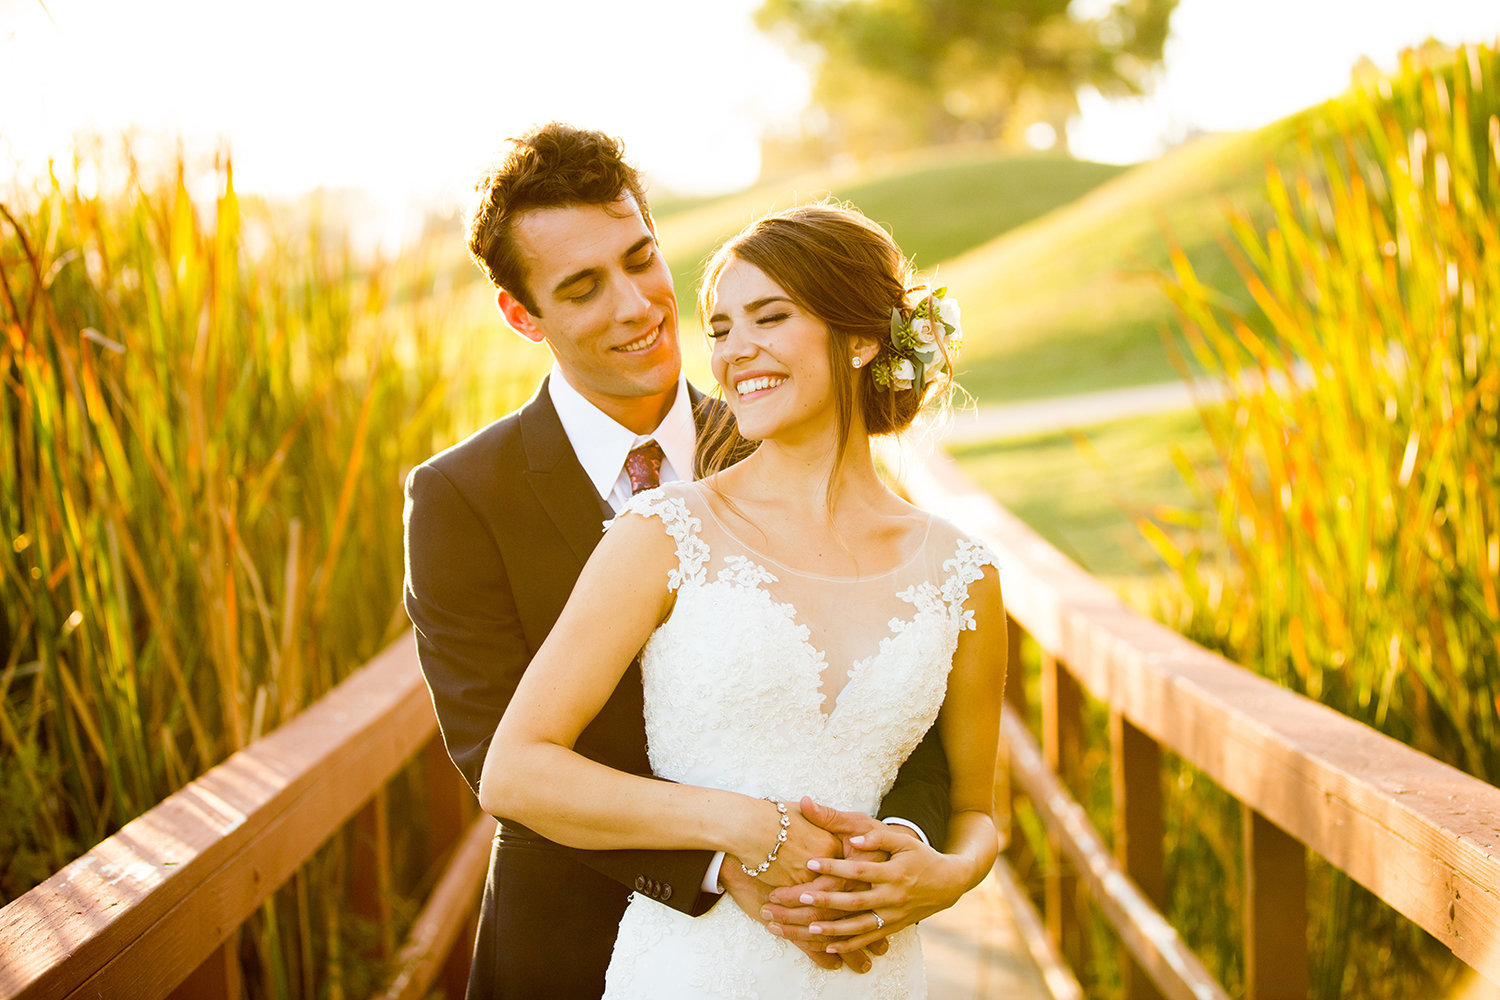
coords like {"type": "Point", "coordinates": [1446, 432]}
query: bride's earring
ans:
{"type": "Point", "coordinates": [857, 361]}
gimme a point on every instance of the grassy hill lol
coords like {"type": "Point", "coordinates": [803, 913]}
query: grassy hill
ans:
{"type": "Point", "coordinates": [939, 204]}
{"type": "Point", "coordinates": [1056, 261]}
{"type": "Point", "coordinates": [1071, 302]}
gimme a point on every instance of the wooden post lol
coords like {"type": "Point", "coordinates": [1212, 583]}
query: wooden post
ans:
{"type": "Point", "coordinates": [1013, 698]}
{"type": "Point", "coordinates": [1135, 780]}
{"type": "Point", "coordinates": [218, 978]}
{"type": "Point", "coordinates": [1275, 911]}
{"type": "Point", "coordinates": [1062, 746]}
{"type": "Point", "coordinates": [451, 808]}
{"type": "Point", "coordinates": [370, 871]}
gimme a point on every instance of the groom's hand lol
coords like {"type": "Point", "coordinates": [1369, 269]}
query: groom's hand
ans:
{"type": "Point", "coordinates": [910, 884]}
{"type": "Point", "coordinates": [752, 896]}
{"type": "Point", "coordinates": [793, 920]}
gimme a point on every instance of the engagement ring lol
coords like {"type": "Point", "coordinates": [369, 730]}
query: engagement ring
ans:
{"type": "Point", "coordinates": [879, 921]}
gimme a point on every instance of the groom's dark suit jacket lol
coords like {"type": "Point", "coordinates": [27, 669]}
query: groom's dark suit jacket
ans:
{"type": "Point", "coordinates": [497, 530]}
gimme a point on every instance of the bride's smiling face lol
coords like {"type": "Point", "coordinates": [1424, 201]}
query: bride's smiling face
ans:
{"type": "Point", "coordinates": [770, 355]}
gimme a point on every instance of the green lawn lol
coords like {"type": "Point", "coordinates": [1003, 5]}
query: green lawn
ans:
{"type": "Point", "coordinates": [1084, 492]}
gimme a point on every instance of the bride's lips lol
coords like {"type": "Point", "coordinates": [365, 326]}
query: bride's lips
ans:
{"type": "Point", "coordinates": [754, 385]}
{"type": "Point", "coordinates": [644, 343]}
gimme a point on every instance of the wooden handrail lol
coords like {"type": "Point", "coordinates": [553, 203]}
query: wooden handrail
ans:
{"type": "Point", "coordinates": [143, 910]}
{"type": "Point", "coordinates": [1419, 834]}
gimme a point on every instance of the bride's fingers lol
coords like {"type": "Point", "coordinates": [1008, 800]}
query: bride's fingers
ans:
{"type": "Point", "coordinates": [882, 838]}
{"type": "Point", "coordinates": [848, 902]}
{"type": "Point", "coordinates": [851, 928]}
{"type": "Point", "coordinates": [850, 869]}
{"type": "Point", "coordinates": [788, 895]}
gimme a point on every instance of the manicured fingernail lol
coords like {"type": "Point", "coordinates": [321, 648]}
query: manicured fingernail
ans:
{"type": "Point", "coordinates": [806, 897]}
{"type": "Point", "coordinates": [776, 929]}
{"type": "Point", "coordinates": [857, 840]}
{"type": "Point", "coordinates": [765, 914]}
{"type": "Point", "coordinates": [815, 928]}
{"type": "Point", "coordinates": [815, 865]}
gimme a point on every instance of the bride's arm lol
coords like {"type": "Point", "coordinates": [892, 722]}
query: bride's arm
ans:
{"type": "Point", "coordinates": [917, 881]}
{"type": "Point", "coordinates": [533, 775]}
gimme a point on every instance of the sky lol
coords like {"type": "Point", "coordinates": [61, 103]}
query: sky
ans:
{"type": "Point", "coordinates": [407, 101]}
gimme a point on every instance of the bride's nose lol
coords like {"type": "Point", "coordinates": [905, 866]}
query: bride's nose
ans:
{"type": "Point", "coordinates": [737, 344]}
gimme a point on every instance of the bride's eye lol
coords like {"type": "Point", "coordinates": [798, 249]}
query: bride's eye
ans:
{"type": "Point", "coordinates": [716, 334]}
{"type": "Point", "coordinates": [772, 318]}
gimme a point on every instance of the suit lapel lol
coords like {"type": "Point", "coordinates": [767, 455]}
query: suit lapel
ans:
{"type": "Point", "coordinates": [557, 479]}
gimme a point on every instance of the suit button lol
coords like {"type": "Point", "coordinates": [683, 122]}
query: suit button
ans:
{"type": "Point", "coordinates": [666, 893]}
{"type": "Point", "coordinates": [640, 883]}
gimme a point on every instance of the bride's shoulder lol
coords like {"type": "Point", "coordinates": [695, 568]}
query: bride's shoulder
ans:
{"type": "Point", "coordinates": [965, 548]}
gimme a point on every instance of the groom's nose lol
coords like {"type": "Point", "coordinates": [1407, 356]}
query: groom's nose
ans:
{"type": "Point", "coordinates": [632, 300]}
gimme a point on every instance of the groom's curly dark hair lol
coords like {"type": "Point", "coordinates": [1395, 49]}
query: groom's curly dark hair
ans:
{"type": "Point", "coordinates": [551, 166]}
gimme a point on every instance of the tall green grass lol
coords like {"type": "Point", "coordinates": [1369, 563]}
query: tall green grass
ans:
{"type": "Point", "coordinates": [1356, 484]}
{"type": "Point", "coordinates": [206, 423]}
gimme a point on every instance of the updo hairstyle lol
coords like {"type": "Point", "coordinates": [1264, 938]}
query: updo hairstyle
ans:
{"type": "Point", "coordinates": [841, 267]}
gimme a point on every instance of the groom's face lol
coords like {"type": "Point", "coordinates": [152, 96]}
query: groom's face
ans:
{"type": "Point", "coordinates": [605, 303]}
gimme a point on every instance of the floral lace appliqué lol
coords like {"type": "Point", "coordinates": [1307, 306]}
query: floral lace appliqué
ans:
{"type": "Point", "coordinates": [681, 525]}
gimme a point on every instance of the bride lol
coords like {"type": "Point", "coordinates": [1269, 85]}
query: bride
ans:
{"type": "Point", "coordinates": [800, 627]}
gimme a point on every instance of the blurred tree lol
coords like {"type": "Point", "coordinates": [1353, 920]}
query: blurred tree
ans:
{"type": "Point", "coordinates": [901, 73]}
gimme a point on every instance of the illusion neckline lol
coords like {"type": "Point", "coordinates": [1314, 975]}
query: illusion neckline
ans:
{"type": "Point", "coordinates": [916, 551]}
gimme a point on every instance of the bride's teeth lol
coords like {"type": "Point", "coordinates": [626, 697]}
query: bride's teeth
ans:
{"type": "Point", "coordinates": [757, 384]}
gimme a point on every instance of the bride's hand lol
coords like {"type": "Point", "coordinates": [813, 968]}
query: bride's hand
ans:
{"type": "Point", "coordinates": [913, 883]}
{"type": "Point", "coordinates": [804, 842]}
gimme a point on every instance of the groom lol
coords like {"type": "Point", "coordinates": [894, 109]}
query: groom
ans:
{"type": "Point", "coordinates": [499, 526]}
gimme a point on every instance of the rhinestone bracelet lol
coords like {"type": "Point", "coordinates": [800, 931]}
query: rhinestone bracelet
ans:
{"type": "Point", "coordinates": [764, 866]}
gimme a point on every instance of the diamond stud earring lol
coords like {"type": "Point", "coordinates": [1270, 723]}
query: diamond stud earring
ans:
{"type": "Point", "coordinates": [857, 361]}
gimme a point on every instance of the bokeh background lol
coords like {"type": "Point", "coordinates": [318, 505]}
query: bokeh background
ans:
{"type": "Point", "coordinates": [235, 309]}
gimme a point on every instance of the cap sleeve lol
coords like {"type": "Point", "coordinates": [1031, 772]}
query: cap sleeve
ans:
{"type": "Point", "coordinates": [966, 566]}
{"type": "Point", "coordinates": [680, 524]}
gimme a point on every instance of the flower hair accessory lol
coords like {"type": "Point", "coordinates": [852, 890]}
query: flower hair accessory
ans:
{"type": "Point", "coordinates": [921, 340]}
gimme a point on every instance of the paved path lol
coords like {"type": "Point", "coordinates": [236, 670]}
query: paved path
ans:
{"type": "Point", "coordinates": [977, 950]}
{"type": "Point", "coordinates": [1058, 413]}
{"type": "Point", "coordinates": [1062, 413]}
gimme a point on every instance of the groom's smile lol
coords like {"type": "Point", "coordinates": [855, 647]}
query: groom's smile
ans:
{"type": "Point", "coordinates": [606, 307]}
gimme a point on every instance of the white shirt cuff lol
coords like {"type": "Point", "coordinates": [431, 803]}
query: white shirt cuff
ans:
{"type": "Point", "coordinates": [914, 828]}
{"type": "Point", "coordinates": [711, 877]}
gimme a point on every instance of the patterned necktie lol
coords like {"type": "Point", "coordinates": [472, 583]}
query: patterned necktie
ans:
{"type": "Point", "coordinates": [643, 466]}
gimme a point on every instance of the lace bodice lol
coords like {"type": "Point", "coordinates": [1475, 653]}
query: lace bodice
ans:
{"type": "Point", "coordinates": [773, 682]}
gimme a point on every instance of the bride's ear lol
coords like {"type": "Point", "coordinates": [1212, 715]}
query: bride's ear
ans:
{"type": "Point", "coordinates": [863, 348]}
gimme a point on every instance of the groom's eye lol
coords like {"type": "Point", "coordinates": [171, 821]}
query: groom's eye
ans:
{"type": "Point", "coordinates": [582, 293]}
{"type": "Point", "coordinates": [643, 262]}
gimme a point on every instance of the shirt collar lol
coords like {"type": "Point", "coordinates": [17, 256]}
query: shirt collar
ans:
{"type": "Point", "coordinates": [601, 444]}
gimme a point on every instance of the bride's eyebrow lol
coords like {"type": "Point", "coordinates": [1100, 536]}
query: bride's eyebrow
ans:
{"type": "Point", "coordinates": [751, 307]}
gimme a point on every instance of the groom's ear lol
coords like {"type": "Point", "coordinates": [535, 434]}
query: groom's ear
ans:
{"type": "Point", "coordinates": [517, 316]}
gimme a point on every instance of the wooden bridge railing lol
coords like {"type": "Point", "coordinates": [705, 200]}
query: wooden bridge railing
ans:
{"type": "Point", "coordinates": [1419, 834]}
{"type": "Point", "coordinates": [155, 910]}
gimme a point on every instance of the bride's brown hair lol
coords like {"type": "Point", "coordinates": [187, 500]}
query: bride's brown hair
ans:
{"type": "Point", "coordinates": [844, 269]}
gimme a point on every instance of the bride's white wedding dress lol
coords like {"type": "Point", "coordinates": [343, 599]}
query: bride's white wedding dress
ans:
{"type": "Point", "coordinates": [734, 699]}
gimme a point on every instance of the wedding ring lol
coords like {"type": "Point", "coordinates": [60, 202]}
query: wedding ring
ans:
{"type": "Point", "coordinates": [879, 921]}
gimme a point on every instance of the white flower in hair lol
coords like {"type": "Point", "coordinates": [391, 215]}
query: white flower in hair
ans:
{"type": "Point", "coordinates": [949, 311]}
{"type": "Point", "coordinates": [925, 331]}
{"type": "Point", "coordinates": [903, 373]}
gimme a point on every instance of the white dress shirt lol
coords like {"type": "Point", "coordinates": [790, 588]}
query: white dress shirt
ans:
{"type": "Point", "coordinates": [602, 445]}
